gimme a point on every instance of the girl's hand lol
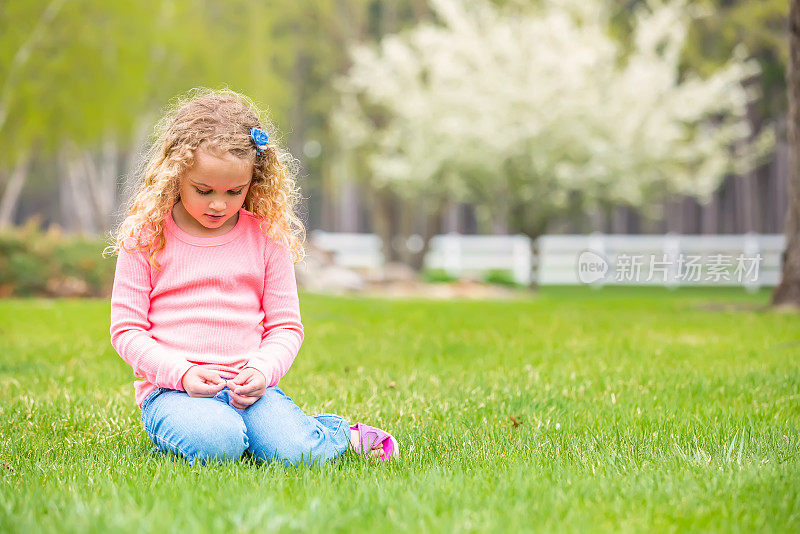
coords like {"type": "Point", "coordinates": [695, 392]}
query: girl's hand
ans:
{"type": "Point", "coordinates": [201, 382]}
{"type": "Point", "coordinates": [247, 388]}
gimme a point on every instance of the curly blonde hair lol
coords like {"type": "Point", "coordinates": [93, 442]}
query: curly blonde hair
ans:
{"type": "Point", "coordinates": [220, 120]}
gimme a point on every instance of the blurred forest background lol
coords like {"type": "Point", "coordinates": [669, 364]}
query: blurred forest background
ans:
{"type": "Point", "coordinates": [82, 83]}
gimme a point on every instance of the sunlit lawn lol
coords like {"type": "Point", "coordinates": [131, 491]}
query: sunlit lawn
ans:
{"type": "Point", "coordinates": [633, 410]}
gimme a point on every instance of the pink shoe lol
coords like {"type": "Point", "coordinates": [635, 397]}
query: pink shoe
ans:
{"type": "Point", "coordinates": [374, 438]}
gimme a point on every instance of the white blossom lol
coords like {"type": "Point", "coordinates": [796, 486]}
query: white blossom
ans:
{"type": "Point", "coordinates": [541, 102]}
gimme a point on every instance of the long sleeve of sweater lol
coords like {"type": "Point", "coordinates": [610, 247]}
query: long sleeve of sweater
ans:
{"type": "Point", "coordinates": [130, 336]}
{"type": "Point", "coordinates": [283, 331]}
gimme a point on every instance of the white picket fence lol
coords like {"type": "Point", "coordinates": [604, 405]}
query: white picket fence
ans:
{"type": "Point", "coordinates": [357, 251]}
{"type": "Point", "coordinates": [454, 253]}
{"type": "Point", "coordinates": [750, 260]}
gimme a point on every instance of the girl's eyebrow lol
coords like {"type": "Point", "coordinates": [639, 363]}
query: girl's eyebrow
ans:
{"type": "Point", "coordinates": [231, 189]}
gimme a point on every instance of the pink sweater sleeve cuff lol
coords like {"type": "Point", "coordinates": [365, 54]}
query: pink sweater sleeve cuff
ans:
{"type": "Point", "coordinates": [273, 360]}
{"type": "Point", "coordinates": [162, 367]}
{"type": "Point", "coordinates": [266, 370]}
{"type": "Point", "coordinates": [175, 375]}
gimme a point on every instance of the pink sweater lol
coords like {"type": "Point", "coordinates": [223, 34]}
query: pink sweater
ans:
{"type": "Point", "coordinates": [206, 307]}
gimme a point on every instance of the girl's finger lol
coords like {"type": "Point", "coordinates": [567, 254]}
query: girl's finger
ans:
{"type": "Point", "coordinates": [241, 381]}
{"type": "Point", "coordinates": [207, 390]}
{"type": "Point", "coordinates": [247, 390]}
{"type": "Point", "coordinates": [211, 377]}
{"type": "Point", "coordinates": [239, 399]}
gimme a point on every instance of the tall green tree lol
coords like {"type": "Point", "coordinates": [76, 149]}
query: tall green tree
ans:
{"type": "Point", "coordinates": [92, 77]}
{"type": "Point", "coordinates": [720, 26]}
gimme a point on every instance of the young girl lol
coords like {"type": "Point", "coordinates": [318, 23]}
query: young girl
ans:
{"type": "Point", "coordinates": [204, 304]}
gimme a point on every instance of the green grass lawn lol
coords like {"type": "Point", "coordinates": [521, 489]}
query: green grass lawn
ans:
{"type": "Point", "coordinates": [635, 409]}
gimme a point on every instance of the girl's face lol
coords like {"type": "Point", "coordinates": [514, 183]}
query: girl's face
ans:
{"type": "Point", "coordinates": [212, 191]}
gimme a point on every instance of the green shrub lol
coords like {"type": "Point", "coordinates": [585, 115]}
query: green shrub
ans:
{"type": "Point", "coordinates": [438, 275]}
{"type": "Point", "coordinates": [82, 259]}
{"type": "Point", "coordinates": [27, 274]}
{"type": "Point", "coordinates": [502, 277]}
{"type": "Point", "coordinates": [38, 263]}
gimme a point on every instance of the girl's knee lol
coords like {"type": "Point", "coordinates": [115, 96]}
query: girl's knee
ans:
{"type": "Point", "coordinates": [306, 449]}
{"type": "Point", "coordinates": [226, 442]}
{"type": "Point", "coordinates": [275, 396]}
{"type": "Point", "coordinates": [279, 430]}
{"type": "Point", "coordinates": [298, 448]}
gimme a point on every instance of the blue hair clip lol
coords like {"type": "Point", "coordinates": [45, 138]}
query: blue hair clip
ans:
{"type": "Point", "coordinates": [260, 138]}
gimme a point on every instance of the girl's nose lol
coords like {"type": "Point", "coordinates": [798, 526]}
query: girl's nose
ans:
{"type": "Point", "coordinates": [217, 205]}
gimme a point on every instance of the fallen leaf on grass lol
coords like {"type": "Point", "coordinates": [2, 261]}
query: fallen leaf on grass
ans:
{"type": "Point", "coordinates": [516, 422]}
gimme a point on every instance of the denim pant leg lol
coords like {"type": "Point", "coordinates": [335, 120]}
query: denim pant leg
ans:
{"type": "Point", "coordinates": [278, 430]}
{"type": "Point", "coordinates": [194, 427]}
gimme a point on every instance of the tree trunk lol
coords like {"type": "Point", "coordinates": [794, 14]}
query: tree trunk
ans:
{"type": "Point", "coordinates": [500, 213]}
{"type": "Point", "coordinates": [384, 217]}
{"type": "Point", "coordinates": [130, 167]}
{"type": "Point", "coordinates": [788, 291]}
{"type": "Point", "coordinates": [433, 226]}
{"type": "Point", "coordinates": [13, 189]}
{"type": "Point", "coordinates": [78, 212]}
{"type": "Point", "coordinates": [298, 112]}
{"type": "Point", "coordinates": [405, 229]}
{"type": "Point", "coordinates": [709, 217]}
{"type": "Point", "coordinates": [349, 204]}
{"type": "Point", "coordinates": [101, 181]}
{"type": "Point", "coordinates": [531, 222]}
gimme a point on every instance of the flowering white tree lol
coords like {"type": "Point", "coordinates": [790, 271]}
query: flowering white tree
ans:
{"type": "Point", "coordinates": [525, 108]}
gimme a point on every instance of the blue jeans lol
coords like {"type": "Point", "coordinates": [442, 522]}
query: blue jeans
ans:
{"type": "Point", "coordinates": [272, 428]}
